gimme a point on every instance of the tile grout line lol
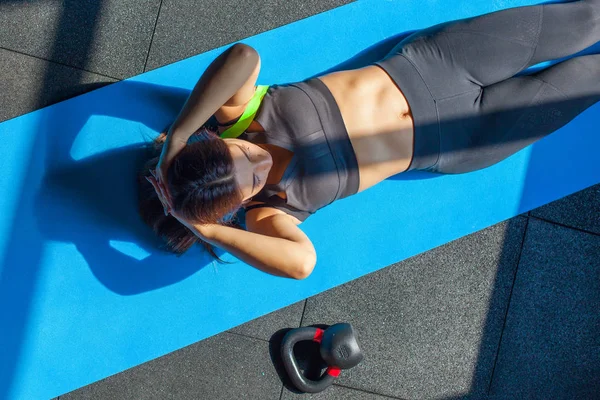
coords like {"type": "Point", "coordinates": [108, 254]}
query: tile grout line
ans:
{"type": "Point", "coordinates": [565, 226]}
{"type": "Point", "coordinates": [60, 63]}
{"type": "Point", "coordinates": [303, 312]}
{"type": "Point", "coordinates": [368, 392]}
{"type": "Point", "coordinates": [257, 33]}
{"type": "Point", "coordinates": [489, 388]}
{"type": "Point", "coordinates": [259, 339]}
{"type": "Point", "coordinates": [246, 336]}
{"type": "Point", "coordinates": [152, 37]}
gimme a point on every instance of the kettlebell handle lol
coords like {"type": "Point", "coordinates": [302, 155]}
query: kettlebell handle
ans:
{"type": "Point", "coordinates": [291, 365]}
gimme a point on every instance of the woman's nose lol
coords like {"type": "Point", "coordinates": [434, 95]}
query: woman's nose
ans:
{"type": "Point", "coordinates": [264, 158]}
{"type": "Point", "coordinates": [263, 164]}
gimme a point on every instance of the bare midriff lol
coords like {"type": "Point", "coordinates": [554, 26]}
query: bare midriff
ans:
{"type": "Point", "coordinates": [378, 121]}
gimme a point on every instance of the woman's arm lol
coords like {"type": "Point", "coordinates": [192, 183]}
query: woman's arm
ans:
{"type": "Point", "coordinates": [276, 245]}
{"type": "Point", "coordinates": [280, 249]}
{"type": "Point", "coordinates": [228, 81]}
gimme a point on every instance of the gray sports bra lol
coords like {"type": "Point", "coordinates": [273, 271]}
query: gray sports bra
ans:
{"type": "Point", "coordinates": [305, 119]}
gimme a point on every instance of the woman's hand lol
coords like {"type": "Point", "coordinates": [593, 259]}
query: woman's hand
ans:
{"type": "Point", "coordinates": [170, 149]}
{"type": "Point", "coordinates": [199, 230]}
{"type": "Point", "coordinates": [161, 192]}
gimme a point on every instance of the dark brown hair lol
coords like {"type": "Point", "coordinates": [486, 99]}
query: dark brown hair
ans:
{"type": "Point", "coordinates": [203, 188]}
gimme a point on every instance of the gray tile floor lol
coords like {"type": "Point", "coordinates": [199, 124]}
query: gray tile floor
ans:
{"type": "Point", "coordinates": [508, 312]}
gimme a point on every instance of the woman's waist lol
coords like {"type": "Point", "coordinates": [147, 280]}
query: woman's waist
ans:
{"type": "Point", "coordinates": [378, 121]}
{"type": "Point", "coordinates": [368, 99]}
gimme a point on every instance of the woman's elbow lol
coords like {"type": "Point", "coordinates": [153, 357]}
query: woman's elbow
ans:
{"type": "Point", "coordinates": [305, 267]}
{"type": "Point", "coordinates": [244, 51]}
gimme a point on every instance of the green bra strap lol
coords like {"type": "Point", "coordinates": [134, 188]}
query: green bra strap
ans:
{"type": "Point", "coordinates": [249, 113]}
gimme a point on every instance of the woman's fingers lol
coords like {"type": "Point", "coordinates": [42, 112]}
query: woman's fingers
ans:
{"type": "Point", "coordinates": [153, 183]}
{"type": "Point", "coordinates": [164, 198]}
{"type": "Point", "coordinates": [157, 190]}
{"type": "Point", "coordinates": [157, 174]}
{"type": "Point", "coordinates": [156, 187]}
{"type": "Point", "coordinates": [167, 195]}
{"type": "Point", "coordinates": [164, 190]}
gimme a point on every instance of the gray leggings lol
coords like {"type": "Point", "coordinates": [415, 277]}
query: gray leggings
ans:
{"type": "Point", "coordinates": [470, 110]}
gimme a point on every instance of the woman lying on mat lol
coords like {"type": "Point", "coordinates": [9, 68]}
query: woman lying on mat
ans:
{"type": "Point", "coordinates": [445, 100]}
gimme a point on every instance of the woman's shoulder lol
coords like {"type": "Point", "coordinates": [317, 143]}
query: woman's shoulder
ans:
{"type": "Point", "coordinates": [257, 210]}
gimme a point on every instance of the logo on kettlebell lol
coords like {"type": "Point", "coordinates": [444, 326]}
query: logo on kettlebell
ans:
{"type": "Point", "coordinates": [343, 352]}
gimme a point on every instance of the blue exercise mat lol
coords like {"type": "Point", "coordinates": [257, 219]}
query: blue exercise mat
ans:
{"type": "Point", "coordinates": [84, 292]}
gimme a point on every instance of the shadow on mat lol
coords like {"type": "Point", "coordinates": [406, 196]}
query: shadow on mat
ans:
{"type": "Point", "coordinates": [92, 202]}
{"type": "Point", "coordinates": [20, 266]}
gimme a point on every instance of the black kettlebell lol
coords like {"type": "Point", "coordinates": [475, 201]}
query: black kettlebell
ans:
{"type": "Point", "coordinates": [339, 349]}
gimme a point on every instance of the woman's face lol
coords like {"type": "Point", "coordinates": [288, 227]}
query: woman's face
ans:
{"type": "Point", "coordinates": [252, 165]}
